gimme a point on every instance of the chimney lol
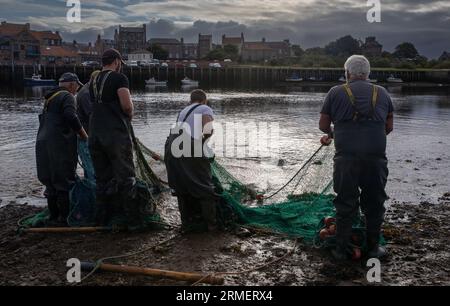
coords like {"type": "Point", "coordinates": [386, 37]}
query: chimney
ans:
{"type": "Point", "coordinates": [27, 25]}
{"type": "Point", "coordinates": [182, 40]}
{"type": "Point", "coordinates": [264, 40]}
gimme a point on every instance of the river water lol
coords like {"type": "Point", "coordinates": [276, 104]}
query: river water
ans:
{"type": "Point", "coordinates": [418, 149]}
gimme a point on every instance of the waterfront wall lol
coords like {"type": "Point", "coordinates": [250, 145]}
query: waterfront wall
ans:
{"type": "Point", "coordinates": [225, 75]}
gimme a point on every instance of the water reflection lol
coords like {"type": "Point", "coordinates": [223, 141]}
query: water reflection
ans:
{"type": "Point", "coordinates": [421, 132]}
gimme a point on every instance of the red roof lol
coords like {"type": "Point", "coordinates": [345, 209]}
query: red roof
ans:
{"type": "Point", "coordinates": [12, 29]}
{"type": "Point", "coordinates": [256, 46]}
{"type": "Point", "coordinates": [58, 51]}
{"type": "Point", "coordinates": [41, 35]}
{"type": "Point", "coordinates": [231, 41]}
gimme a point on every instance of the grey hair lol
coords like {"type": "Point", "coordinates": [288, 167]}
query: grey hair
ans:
{"type": "Point", "coordinates": [358, 66]}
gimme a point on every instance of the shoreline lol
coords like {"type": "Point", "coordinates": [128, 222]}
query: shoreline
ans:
{"type": "Point", "coordinates": [416, 237]}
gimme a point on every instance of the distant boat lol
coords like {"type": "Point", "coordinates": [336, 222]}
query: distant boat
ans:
{"type": "Point", "coordinates": [188, 82]}
{"type": "Point", "coordinates": [314, 79]}
{"type": "Point", "coordinates": [344, 80]}
{"type": "Point", "coordinates": [392, 79]}
{"type": "Point", "coordinates": [153, 82]}
{"type": "Point", "coordinates": [36, 80]}
{"type": "Point", "coordinates": [294, 78]}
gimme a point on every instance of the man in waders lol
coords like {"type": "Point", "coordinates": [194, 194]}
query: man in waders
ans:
{"type": "Point", "coordinates": [362, 115]}
{"type": "Point", "coordinates": [187, 160]}
{"type": "Point", "coordinates": [110, 142]}
{"type": "Point", "coordinates": [56, 146]}
{"type": "Point", "coordinates": [84, 102]}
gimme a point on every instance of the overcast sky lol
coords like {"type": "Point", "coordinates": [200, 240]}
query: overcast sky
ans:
{"type": "Point", "coordinates": [310, 23]}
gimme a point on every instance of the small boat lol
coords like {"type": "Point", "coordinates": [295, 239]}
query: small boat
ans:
{"type": "Point", "coordinates": [188, 82]}
{"type": "Point", "coordinates": [153, 82]}
{"type": "Point", "coordinates": [392, 79]}
{"type": "Point", "coordinates": [314, 79]}
{"type": "Point", "coordinates": [36, 80]}
{"type": "Point", "coordinates": [294, 78]}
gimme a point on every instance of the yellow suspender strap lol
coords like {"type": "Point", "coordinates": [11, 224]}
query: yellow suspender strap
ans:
{"type": "Point", "coordinates": [349, 93]}
{"type": "Point", "coordinates": [352, 98]}
{"type": "Point", "coordinates": [52, 97]}
{"type": "Point", "coordinates": [374, 96]}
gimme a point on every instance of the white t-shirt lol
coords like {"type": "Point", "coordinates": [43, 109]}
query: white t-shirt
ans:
{"type": "Point", "coordinates": [195, 119]}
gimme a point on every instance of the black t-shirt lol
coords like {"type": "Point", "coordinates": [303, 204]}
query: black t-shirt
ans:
{"type": "Point", "coordinates": [108, 115]}
{"type": "Point", "coordinates": [114, 82]}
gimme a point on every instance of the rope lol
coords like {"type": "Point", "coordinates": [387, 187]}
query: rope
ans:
{"type": "Point", "coordinates": [101, 260]}
{"type": "Point", "coordinates": [295, 175]}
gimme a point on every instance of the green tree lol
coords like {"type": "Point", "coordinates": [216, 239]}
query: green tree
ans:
{"type": "Point", "coordinates": [344, 46]}
{"type": "Point", "coordinates": [158, 52]}
{"type": "Point", "coordinates": [297, 50]}
{"type": "Point", "coordinates": [406, 50]}
{"type": "Point", "coordinates": [217, 54]}
{"type": "Point", "coordinates": [231, 51]}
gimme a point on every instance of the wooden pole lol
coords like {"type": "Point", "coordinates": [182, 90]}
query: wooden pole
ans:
{"type": "Point", "coordinates": [54, 230]}
{"type": "Point", "coordinates": [181, 276]}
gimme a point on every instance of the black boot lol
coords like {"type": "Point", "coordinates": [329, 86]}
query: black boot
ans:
{"type": "Point", "coordinates": [373, 246]}
{"type": "Point", "coordinates": [63, 203]}
{"type": "Point", "coordinates": [103, 210]}
{"type": "Point", "coordinates": [343, 235]}
{"type": "Point", "coordinates": [52, 208]}
{"type": "Point", "coordinates": [209, 213]}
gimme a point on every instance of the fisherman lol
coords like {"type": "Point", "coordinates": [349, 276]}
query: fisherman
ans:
{"type": "Point", "coordinates": [110, 141]}
{"type": "Point", "coordinates": [362, 115]}
{"type": "Point", "coordinates": [84, 102]}
{"type": "Point", "coordinates": [187, 159]}
{"type": "Point", "coordinates": [56, 146]}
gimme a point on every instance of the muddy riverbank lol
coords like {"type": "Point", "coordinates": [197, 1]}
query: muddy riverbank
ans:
{"type": "Point", "coordinates": [417, 237]}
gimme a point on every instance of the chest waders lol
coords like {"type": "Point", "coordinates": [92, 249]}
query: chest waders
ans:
{"type": "Point", "coordinates": [51, 143]}
{"type": "Point", "coordinates": [363, 136]}
{"type": "Point", "coordinates": [191, 178]}
{"type": "Point", "coordinates": [360, 174]}
{"type": "Point", "coordinates": [56, 158]}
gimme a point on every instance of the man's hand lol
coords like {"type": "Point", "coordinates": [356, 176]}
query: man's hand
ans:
{"type": "Point", "coordinates": [326, 140]}
{"type": "Point", "coordinates": [83, 135]}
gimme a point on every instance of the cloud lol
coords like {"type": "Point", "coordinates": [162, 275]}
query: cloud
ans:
{"type": "Point", "coordinates": [306, 22]}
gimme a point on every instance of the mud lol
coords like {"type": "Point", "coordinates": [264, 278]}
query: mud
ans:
{"type": "Point", "coordinates": [417, 238]}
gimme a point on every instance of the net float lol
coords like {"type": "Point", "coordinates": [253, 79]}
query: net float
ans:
{"type": "Point", "coordinates": [356, 254]}
{"type": "Point", "coordinates": [329, 221]}
{"type": "Point", "coordinates": [324, 234]}
{"type": "Point", "coordinates": [332, 229]}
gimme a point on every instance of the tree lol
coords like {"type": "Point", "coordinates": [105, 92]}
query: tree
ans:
{"type": "Point", "coordinates": [231, 51]}
{"type": "Point", "coordinates": [228, 51]}
{"type": "Point", "coordinates": [158, 52]}
{"type": "Point", "coordinates": [344, 46]}
{"type": "Point", "coordinates": [297, 50]}
{"type": "Point", "coordinates": [217, 54]}
{"type": "Point", "coordinates": [406, 50]}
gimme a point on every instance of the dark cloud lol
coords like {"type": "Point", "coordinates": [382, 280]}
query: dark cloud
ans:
{"type": "Point", "coordinates": [426, 23]}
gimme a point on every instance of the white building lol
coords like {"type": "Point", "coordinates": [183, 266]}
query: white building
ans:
{"type": "Point", "coordinates": [140, 55]}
